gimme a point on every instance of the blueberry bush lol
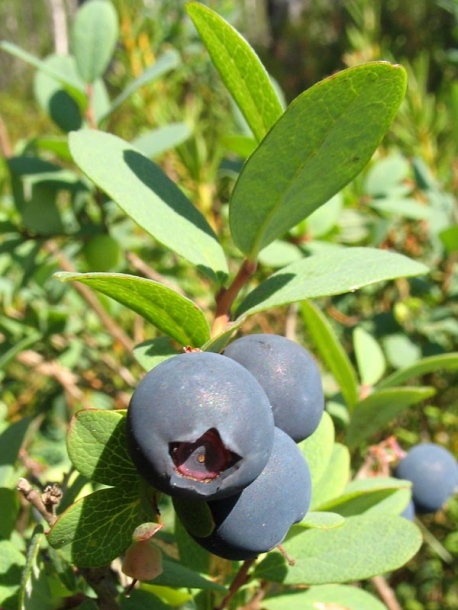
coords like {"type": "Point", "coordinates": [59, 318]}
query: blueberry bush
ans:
{"type": "Point", "coordinates": [204, 464]}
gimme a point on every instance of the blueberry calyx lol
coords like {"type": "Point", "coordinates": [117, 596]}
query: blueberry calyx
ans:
{"type": "Point", "coordinates": [204, 459]}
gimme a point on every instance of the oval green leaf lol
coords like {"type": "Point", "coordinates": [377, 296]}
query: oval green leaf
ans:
{"type": "Point", "coordinates": [175, 315]}
{"type": "Point", "coordinates": [97, 447]}
{"type": "Point", "coordinates": [331, 351]}
{"type": "Point", "coordinates": [321, 520]}
{"type": "Point", "coordinates": [322, 141]}
{"type": "Point", "coordinates": [377, 410]}
{"type": "Point", "coordinates": [317, 448]}
{"type": "Point", "coordinates": [98, 528]}
{"type": "Point", "coordinates": [60, 106]}
{"type": "Point", "coordinates": [12, 562]}
{"type": "Point", "coordinates": [355, 551]}
{"type": "Point", "coordinates": [151, 353]}
{"type": "Point", "coordinates": [240, 68]}
{"type": "Point", "coordinates": [334, 479]}
{"type": "Point", "coordinates": [369, 357]}
{"type": "Point", "coordinates": [339, 597]}
{"type": "Point", "coordinates": [362, 495]}
{"type": "Point", "coordinates": [327, 274]}
{"type": "Point", "coordinates": [149, 197]}
{"type": "Point", "coordinates": [93, 38]}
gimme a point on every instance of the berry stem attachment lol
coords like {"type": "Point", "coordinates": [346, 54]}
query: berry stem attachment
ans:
{"type": "Point", "coordinates": [227, 296]}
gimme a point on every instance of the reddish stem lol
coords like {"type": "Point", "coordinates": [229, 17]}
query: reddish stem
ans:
{"type": "Point", "coordinates": [240, 579]}
{"type": "Point", "coordinates": [227, 296]}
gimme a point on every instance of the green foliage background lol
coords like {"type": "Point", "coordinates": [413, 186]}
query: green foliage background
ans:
{"type": "Point", "coordinates": [58, 354]}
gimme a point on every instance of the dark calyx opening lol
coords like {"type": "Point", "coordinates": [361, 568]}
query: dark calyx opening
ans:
{"type": "Point", "coordinates": [204, 459]}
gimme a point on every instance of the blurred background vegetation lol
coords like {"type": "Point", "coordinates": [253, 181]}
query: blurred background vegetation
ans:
{"type": "Point", "coordinates": [405, 200]}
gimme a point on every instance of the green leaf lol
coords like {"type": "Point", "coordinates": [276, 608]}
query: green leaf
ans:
{"type": "Point", "coordinates": [449, 238]}
{"type": "Point", "coordinates": [402, 206]}
{"type": "Point", "coordinates": [11, 566]}
{"type": "Point", "coordinates": [331, 351]}
{"type": "Point", "coordinates": [195, 515]}
{"type": "Point", "coordinates": [241, 145]}
{"type": "Point", "coordinates": [11, 440]}
{"type": "Point", "coordinates": [320, 520]}
{"type": "Point", "coordinates": [361, 495]}
{"type": "Point", "coordinates": [240, 68]}
{"type": "Point", "coordinates": [369, 357]}
{"type": "Point", "coordinates": [322, 141]}
{"type": "Point", "coordinates": [93, 38]}
{"type": "Point", "coordinates": [175, 315]}
{"type": "Point", "coordinates": [448, 362]}
{"type": "Point", "coordinates": [272, 568]}
{"type": "Point", "coordinates": [393, 504]}
{"type": "Point", "coordinates": [334, 479]}
{"type": "Point", "coordinates": [151, 353]}
{"type": "Point", "coordinates": [178, 576]}
{"type": "Point", "coordinates": [155, 142]}
{"type": "Point", "coordinates": [71, 84]}
{"type": "Point", "coordinates": [35, 592]}
{"type": "Point", "coordinates": [387, 175]}
{"type": "Point", "coordinates": [149, 197]}
{"type": "Point", "coordinates": [328, 274]}
{"type": "Point", "coordinates": [191, 554]}
{"type": "Point", "coordinates": [355, 551]}
{"type": "Point", "coordinates": [377, 410]}
{"type": "Point", "coordinates": [166, 62]}
{"type": "Point", "coordinates": [97, 447]}
{"type": "Point", "coordinates": [99, 527]}
{"type": "Point", "coordinates": [317, 448]}
{"type": "Point", "coordinates": [322, 220]}
{"type": "Point", "coordinates": [60, 106]}
{"type": "Point", "coordinates": [279, 254]}
{"type": "Point", "coordinates": [9, 502]}
{"type": "Point", "coordinates": [340, 597]}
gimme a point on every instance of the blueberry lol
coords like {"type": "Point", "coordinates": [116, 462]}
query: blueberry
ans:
{"type": "Point", "coordinates": [257, 519]}
{"type": "Point", "coordinates": [290, 378]}
{"type": "Point", "coordinates": [433, 472]}
{"type": "Point", "coordinates": [199, 425]}
{"type": "Point", "coordinates": [409, 511]}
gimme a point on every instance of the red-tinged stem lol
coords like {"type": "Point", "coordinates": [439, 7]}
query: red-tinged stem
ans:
{"type": "Point", "coordinates": [227, 296]}
{"type": "Point", "coordinates": [240, 579]}
{"type": "Point", "coordinates": [90, 115]}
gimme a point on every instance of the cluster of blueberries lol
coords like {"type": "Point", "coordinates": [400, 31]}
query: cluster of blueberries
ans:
{"type": "Point", "coordinates": [433, 472]}
{"type": "Point", "coordinates": [222, 429]}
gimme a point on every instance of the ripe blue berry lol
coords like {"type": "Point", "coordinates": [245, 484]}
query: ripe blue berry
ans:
{"type": "Point", "coordinates": [199, 425]}
{"type": "Point", "coordinates": [257, 519]}
{"type": "Point", "coordinates": [433, 472]}
{"type": "Point", "coordinates": [409, 511]}
{"type": "Point", "coordinates": [290, 378]}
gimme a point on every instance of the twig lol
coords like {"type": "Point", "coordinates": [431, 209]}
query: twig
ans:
{"type": "Point", "coordinates": [104, 583]}
{"type": "Point", "coordinates": [386, 593]}
{"type": "Point", "coordinates": [45, 502]}
{"type": "Point", "coordinates": [255, 602]}
{"type": "Point", "coordinates": [227, 297]}
{"type": "Point", "coordinates": [60, 30]}
{"type": "Point", "coordinates": [102, 580]}
{"type": "Point", "coordinates": [6, 148]}
{"type": "Point", "coordinates": [239, 580]}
